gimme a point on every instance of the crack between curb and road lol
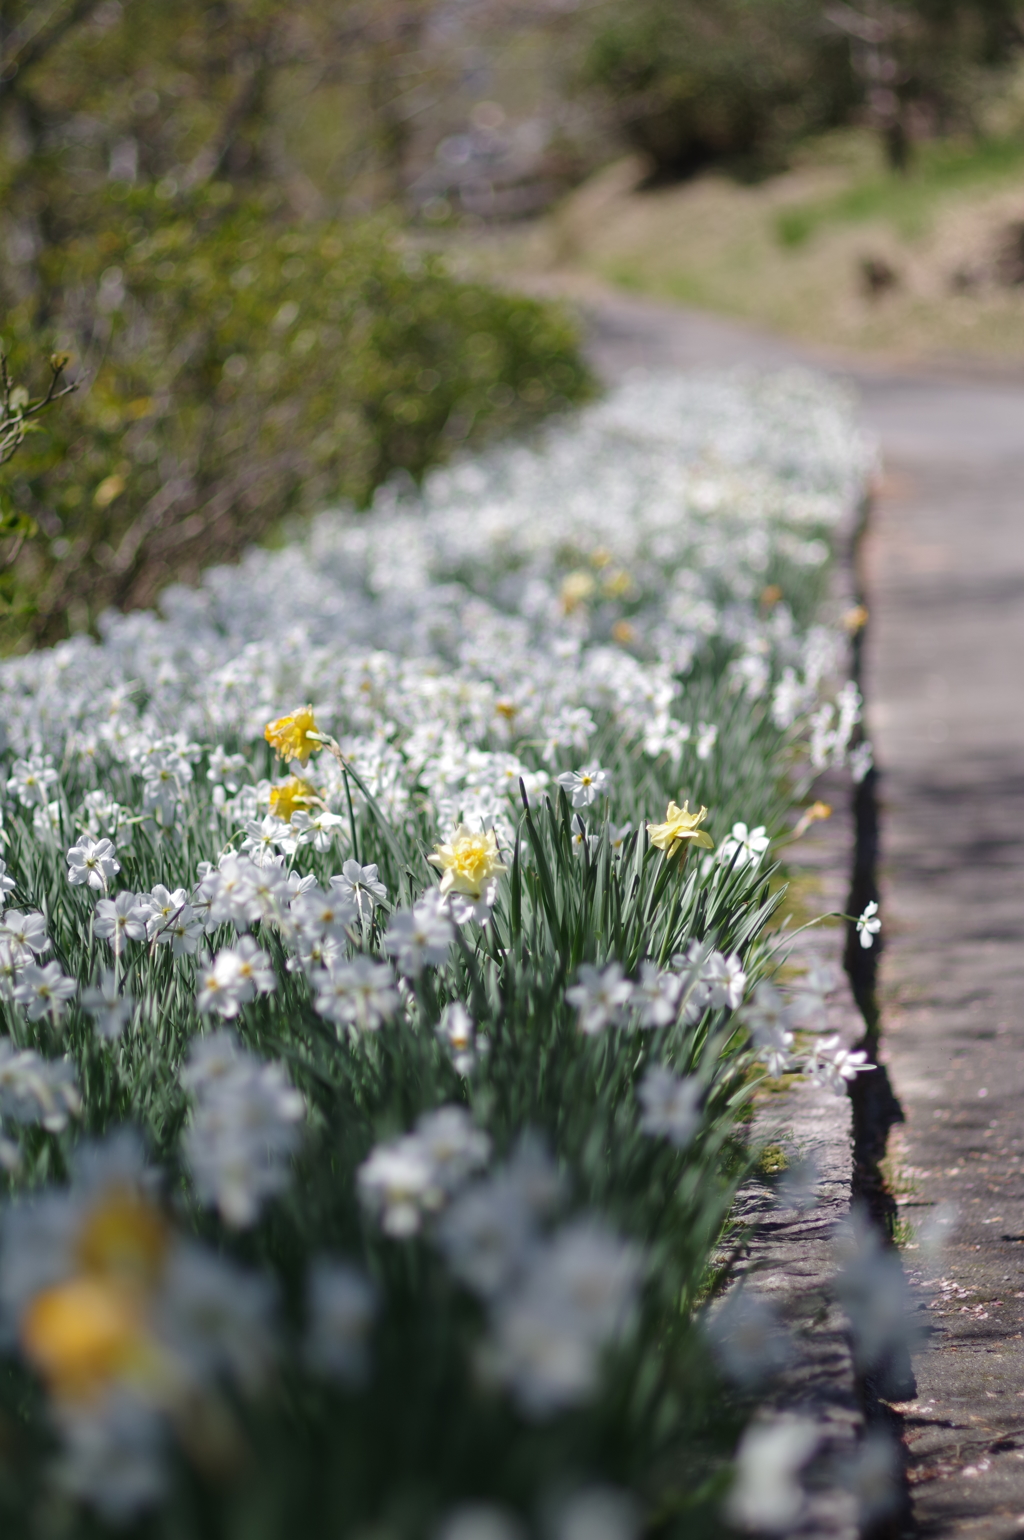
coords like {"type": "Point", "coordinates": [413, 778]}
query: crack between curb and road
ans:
{"type": "Point", "coordinates": [876, 1109]}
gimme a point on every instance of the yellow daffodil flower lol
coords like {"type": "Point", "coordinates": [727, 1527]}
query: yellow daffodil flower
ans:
{"type": "Point", "coordinates": [468, 861]}
{"type": "Point", "coordinates": [577, 588]}
{"type": "Point", "coordinates": [680, 830]}
{"type": "Point", "coordinates": [83, 1335]}
{"type": "Point", "coordinates": [288, 734]}
{"type": "Point", "coordinates": [291, 794]}
{"type": "Point", "coordinates": [91, 1330]}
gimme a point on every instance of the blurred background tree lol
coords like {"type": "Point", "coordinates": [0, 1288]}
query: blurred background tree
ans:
{"type": "Point", "coordinates": [245, 349]}
{"type": "Point", "coordinates": [741, 82]}
{"type": "Point", "coordinates": [225, 211]}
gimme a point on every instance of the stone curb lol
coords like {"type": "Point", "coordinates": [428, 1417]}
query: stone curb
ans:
{"type": "Point", "coordinates": [789, 1258]}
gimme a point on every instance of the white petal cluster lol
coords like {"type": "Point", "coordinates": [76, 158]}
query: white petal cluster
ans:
{"type": "Point", "coordinates": [405, 1180]}
{"type": "Point", "coordinates": [41, 989]}
{"type": "Point", "coordinates": [245, 1123]}
{"type": "Point", "coordinates": [772, 1019]}
{"type": "Point", "coordinates": [696, 982]}
{"type": "Point", "coordinates": [568, 607]}
{"type": "Point", "coordinates": [671, 1105]}
{"type": "Point", "coordinates": [556, 1298]}
{"type": "Point", "coordinates": [37, 1090]}
{"type": "Point", "coordinates": [190, 1319]}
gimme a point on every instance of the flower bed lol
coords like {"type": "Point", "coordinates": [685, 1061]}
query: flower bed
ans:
{"type": "Point", "coordinates": [380, 921]}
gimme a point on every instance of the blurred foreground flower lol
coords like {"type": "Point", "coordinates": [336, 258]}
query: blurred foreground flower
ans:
{"type": "Point", "coordinates": [129, 1325]}
{"type": "Point", "coordinates": [748, 1338]}
{"type": "Point", "coordinates": [872, 1475]}
{"type": "Point", "coordinates": [244, 1126]}
{"type": "Point", "coordinates": [766, 1493]}
{"type": "Point", "coordinates": [873, 1290]}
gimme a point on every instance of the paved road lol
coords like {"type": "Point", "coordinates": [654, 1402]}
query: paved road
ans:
{"type": "Point", "coordinates": [945, 568]}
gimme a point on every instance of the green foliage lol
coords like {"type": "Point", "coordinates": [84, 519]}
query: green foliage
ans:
{"type": "Point", "coordinates": [736, 82]}
{"type": "Point", "coordinates": [238, 370]}
{"type": "Point", "coordinates": [908, 202]}
{"type": "Point", "coordinates": [19, 417]}
{"type": "Point", "coordinates": [741, 82]}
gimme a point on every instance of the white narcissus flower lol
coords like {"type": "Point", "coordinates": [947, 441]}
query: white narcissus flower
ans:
{"type": "Point", "coordinates": [420, 936]}
{"type": "Point", "coordinates": [317, 828]}
{"type": "Point", "coordinates": [25, 934]}
{"type": "Point", "coordinates": [164, 908]}
{"type": "Point", "coordinates": [830, 1065]}
{"type": "Point", "coordinates": [360, 994]}
{"type": "Point", "coordinates": [121, 919]}
{"type": "Point", "coordinates": [263, 837]}
{"type": "Point", "coordinates": [37, 1090]}
{"type": "Point", "coordinates": [744, 847]}
{"type": "Point", "coordinates": [600, 997]}
{"type": "Point", "coordinates": [671, 1105]}
{"type": "Point", "coordinates": [618, 835]}
{"type": "Point", "coordinates": [244, 1125]}
{"type": "Point", "coordinates": [457, 1031]}
{"type": "Point", "coordinates": [31, 779]}
{"type": "Point", "coordinates": [417, 1174]}
{"type": "Point", "coordinates": [726, 980]}
{"type": "Point", "coordinates": [397, 1182]}
{"type": "Point", "coordinates": [109, 1009]}
{"type": "Point", "coordinates": [658, 995]}
{"type": "Point", "coordinates": [316, 913]}
{"type": "Point", "coordinates": [586, 785]}
{"type": "Point", "coordinates": [43, 991]}
{"type": "Point", "coordinates": [362, 885]}
{"type": "Point", "coordinates": [235, 976]}
{"type": "Point", "coordinates": [93, 862]}
{"type": "Point", "coordinates": [868, 925]}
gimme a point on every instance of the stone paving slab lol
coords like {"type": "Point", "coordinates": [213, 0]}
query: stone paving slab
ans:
{"type": "Point", "coordinates": [945, 568]}
{"type": "Point", "coordinates": [790, 1259]}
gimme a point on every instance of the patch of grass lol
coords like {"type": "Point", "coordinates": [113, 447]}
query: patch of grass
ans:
{"type": "Point", "coordinates": [772, 1161]}
{"type": "Point", "coordinates": [907, 202]}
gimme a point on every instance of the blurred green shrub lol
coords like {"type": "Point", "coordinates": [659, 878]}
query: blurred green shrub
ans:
{"type": "Point", "coordinates": [235, 371]}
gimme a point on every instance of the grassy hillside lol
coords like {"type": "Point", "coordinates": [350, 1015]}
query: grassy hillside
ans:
{"type": "Point", "coordinates": [837, 250]}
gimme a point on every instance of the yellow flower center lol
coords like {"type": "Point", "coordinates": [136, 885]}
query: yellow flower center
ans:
{"type": "Point", "coordinates": [287, 735]}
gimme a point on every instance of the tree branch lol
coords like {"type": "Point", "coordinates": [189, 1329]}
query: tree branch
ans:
{"type": "Point", "coordinates": [22, 57]}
